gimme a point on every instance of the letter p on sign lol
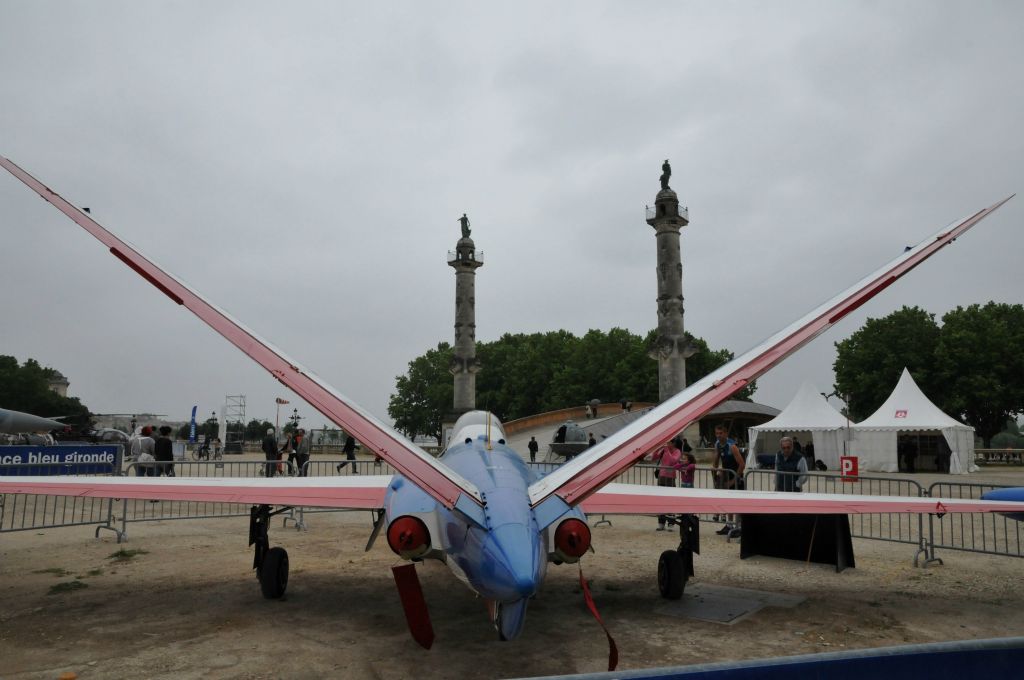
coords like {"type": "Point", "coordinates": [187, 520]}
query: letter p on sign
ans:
{"type": "Point", "coordinates": [848, 468]}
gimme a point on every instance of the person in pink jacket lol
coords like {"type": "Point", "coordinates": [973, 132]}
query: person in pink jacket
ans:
{"type": "Point", "coordinates": [670, 461]}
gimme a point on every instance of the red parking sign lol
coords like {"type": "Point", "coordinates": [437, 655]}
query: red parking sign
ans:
{"type": "Point", "coordinates": [848, 467]}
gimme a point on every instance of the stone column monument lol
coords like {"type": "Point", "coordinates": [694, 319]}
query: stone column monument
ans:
{"type": "Point", "coordinates": [465, 261]}
{"type": "Point", "coordinates": [670, 347]}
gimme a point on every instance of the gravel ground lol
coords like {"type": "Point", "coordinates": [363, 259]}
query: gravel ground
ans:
{"type": "Point", "coordinates": [187, 605]}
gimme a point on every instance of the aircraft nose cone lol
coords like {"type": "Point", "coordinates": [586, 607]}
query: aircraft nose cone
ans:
{"type": "Point", "coordinates": [516, 552]}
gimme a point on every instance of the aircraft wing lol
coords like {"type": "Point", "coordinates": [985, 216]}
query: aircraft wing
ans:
{"type": "Point", "coordinates": [633, 499]}
{"type": "Point", "coordinates": [434, 477]}
{"type": "Point", "coordinates": [598, 465]}
{"type": "Point", "coordinates": [352, 492]}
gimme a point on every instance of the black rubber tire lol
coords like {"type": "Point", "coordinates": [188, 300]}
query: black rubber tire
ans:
{"type": "Point", "coordinates": [671, 575]}
{"type": "Point", "coordinates": [273, 574]}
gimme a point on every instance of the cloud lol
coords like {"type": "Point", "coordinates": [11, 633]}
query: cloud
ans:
{"type": "Point", "coordinates": [304, 168]}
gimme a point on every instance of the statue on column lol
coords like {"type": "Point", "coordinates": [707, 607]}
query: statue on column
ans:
{"type": "Point", "coordinates": [666, 173]}
{"type": "Point", "coordinates": [464, 221]}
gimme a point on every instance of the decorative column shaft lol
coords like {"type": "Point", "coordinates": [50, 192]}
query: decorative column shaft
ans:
{"type": "Point", "coordinates": [465, 261]}
{"type": "Point", "coordinates": [670, 347]}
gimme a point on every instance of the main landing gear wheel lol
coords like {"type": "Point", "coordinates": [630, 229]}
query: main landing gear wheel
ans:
{"type": "Point", "coordinates": [671, 575]}
{"type": "Point", "coordinates": [271, 564]}
{"type": "Point", "coordinates": [273, 574]}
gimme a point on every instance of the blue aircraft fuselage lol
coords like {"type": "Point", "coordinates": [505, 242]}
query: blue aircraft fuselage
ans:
{"type": "Point", "coordinates": [504, 561]}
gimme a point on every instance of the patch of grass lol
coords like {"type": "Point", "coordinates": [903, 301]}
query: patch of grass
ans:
{"type": "Point", "coordinates": [126, 555]}
{"type": "Point", "coordinates": [56, 571]}
{"type": "Point", "coordinates": [91, 572]}
{"type": "Point", "coordinates": [67, 587]}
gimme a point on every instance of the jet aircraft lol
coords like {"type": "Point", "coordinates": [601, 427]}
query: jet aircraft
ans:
{"type": "Point", "coordinates": [15, 422]}
{"type": "Point", "coordinates": [479, 508]}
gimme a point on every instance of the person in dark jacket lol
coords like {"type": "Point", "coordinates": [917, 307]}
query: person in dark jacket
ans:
{"type": "Point", "coordinates": [790, 467]}
{"type": "Point", "coordinates": [163, 451]}
{"type": "Point", "coordinates": [349, 449]}
{"type": "Point", "coordinates": [269, 446]}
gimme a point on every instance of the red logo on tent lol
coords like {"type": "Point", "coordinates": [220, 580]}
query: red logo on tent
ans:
{"type": "Point", "coordinates": [901, 414]}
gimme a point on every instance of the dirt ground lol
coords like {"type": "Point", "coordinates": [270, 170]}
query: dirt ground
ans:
{"type": "Point", "coordinates": [187, 605]}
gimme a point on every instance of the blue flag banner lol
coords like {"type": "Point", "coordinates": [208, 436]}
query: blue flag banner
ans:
{"type": "Point", "coordinates": [60, 460]}
{"type": "Point", "coordinates": [192, 427]}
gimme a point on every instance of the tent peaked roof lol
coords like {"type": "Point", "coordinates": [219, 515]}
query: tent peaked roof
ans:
{"type": "Point", "coordinates": [808, 410]}
{"type": "Point", "coordinates": [907, 408]}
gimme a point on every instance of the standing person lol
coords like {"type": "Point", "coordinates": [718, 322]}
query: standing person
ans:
{"type": "Point", "coordinates": [669, 461]}
{"type": "Point", "coordinates": [349, 449]}
{"type": "Point", "coordinates": [301, 452]}
{"type": "Point", "coordinates": [790, 467]}
{"type": "Point", "coordinates": [142, 448]}
{"type": "Point", "coordinates": [689, 470]}
{"type": "Point", "coordinates": [163, 451]}
{"type": "Point", "coordinates": [809, 454]}
{"type": "Point", "coordinates": [686, 448]}
{"type": "Point", "coordinates": [911, 449]}
{"type": "Point", "coordinates": [796, 446]}
{"type": "Point", "coordinates": [729, 462]}
{"type": "Point", "coordinates": [291, 445]}
{"type": "Point", "coordinates": [533, 446]}
{"type": "Point", "coordinates": [590, 440]}
{"type": "Point", "coordinates": [269, 446]}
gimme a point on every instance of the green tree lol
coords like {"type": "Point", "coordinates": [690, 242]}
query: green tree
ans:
{"type": "Point", "coordinates": [869, 363]}
{"type": "Point", "coordinates": [704, 361]}
{"type": "Point", "coordinates": [980, 360]}
{"type": "Point", "coordinates": [424, 394]}
{"type": "Point", "coordinates": [26, 388]}
{"type": "Point", "coordinates": [525, 374]}
{"type": "Point", "coordinates": [255, 429]}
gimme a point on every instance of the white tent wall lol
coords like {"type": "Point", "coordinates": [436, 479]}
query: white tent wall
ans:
{"type": "Point", "coordinates": [809, 417]}
{"type": "Point", "coordinates": [876, 449]}
{"type": "Point", "coordinates": [828, 444]}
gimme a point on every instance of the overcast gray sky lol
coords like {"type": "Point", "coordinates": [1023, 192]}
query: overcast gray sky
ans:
{"type": "Point", "coordinates": [304, 164]}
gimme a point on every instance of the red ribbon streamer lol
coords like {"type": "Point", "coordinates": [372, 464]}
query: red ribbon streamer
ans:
{"type": "Point", "coordinates": [613, 650]}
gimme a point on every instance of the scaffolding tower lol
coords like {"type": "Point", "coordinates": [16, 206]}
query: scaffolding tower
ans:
{"type": "Point", "coordinates": [234, 422]}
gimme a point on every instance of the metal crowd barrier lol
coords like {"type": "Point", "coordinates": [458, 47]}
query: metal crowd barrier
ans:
{"type": "Point", "coordinates": [140, 510]}
{"type": "Point", "coordinates": [895, 527]}
{"type": "Point", "coordinates": [981, 533]}
{"type": "Point", "coordinates": [988, 533]}
{"type": "Point", "coordinates": [24, 512]}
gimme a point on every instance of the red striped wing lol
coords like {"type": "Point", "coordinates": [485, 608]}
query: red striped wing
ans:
{"type": "Point", "coordinates": [588, 472]}
{"type": "Point", "coordinates": [349, 492]}
{"type": "Point", "coordinates": [410, 460]}
{"type": "Point", "coordinates": [633, 499]}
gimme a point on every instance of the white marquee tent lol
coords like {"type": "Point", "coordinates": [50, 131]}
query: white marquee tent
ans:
{"type": "Point", "coordinates": [908, 410]}
{"type": "Point", "coordinates": [807, 413]}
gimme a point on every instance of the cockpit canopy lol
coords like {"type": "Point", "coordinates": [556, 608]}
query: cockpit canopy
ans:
{"type": "Point", "coordinates": [473, 424]}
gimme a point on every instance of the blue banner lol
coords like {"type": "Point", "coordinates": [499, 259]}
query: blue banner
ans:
{"type": "Point", "coordinates": [192, 427]}
{"type": "Point", "coordinates": [60, 460]}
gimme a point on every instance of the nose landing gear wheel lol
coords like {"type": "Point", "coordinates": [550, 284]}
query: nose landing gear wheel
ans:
{"type": "Point", "coordinates": [273, 573]}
